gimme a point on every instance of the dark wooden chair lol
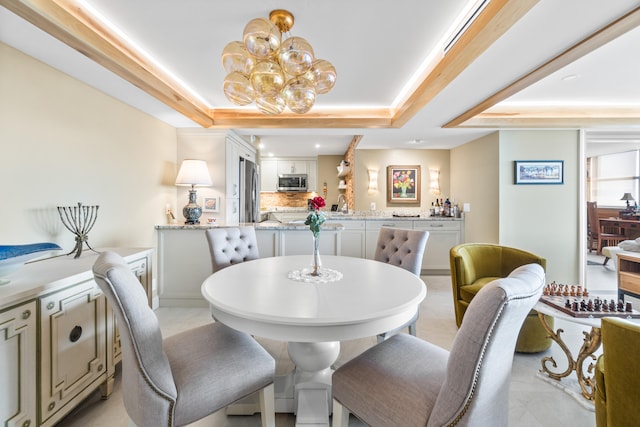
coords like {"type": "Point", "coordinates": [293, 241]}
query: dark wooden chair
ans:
{"type": "Point", "coordinates": [598, 237]}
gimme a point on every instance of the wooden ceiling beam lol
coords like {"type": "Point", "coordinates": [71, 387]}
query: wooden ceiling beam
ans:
{"type": "Point", "coordinates": [67, 21]}
{"type": "Point", "coordinates": [601, 37]}
{"type": "Point", "coordinates": [489, 26]}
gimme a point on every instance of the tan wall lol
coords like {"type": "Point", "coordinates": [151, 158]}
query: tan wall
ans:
{"type": "Point", "coordinates": [380, 159]}
{"type": "Point", "coordinates": [63, 142]}
{"type": "Point", "coordinates": [475, 170]}
{"type": "Point", "coordinates": [542, 218]}
{"type": "Point", "coordinates": [328, 173]}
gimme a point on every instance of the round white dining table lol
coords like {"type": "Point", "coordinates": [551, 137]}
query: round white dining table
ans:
{"type": "Point", "coordinates": [260, 297]}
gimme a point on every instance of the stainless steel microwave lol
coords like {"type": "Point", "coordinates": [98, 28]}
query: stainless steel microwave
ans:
{"type": "Point", "coordinates": [292, 182]}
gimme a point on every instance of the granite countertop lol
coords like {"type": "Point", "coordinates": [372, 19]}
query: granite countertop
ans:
{"type": "Point", "coordinates": [369, 215]}
{"type": "Point", "coordinates": [267, 225]}
{"type": "Point", "coordinates": [298, 224]}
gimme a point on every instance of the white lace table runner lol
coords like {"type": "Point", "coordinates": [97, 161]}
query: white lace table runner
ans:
{"type": "Point", "coordinates": [304, 275]}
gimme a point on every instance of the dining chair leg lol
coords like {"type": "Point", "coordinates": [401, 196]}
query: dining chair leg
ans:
{"type": "Point", "coordinates": [340, 415]}
{"type": "Point", "coordinates": [412, 329]}
{"type": "Point", "coordinates": [267, 406]}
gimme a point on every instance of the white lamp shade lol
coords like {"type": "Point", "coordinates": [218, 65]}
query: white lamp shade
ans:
{"type": "Point", "coordinates": [194, 172]}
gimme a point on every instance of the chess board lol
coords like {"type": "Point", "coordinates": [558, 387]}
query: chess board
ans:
{"type": "Point", "coordinates": [577, 309]}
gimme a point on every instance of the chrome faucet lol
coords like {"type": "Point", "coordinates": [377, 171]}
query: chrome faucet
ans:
{"type": "Point", "coordinates": [342, 207]}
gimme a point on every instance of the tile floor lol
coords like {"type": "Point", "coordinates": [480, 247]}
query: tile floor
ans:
{"type": "Point", "coordinates": [533, 402]}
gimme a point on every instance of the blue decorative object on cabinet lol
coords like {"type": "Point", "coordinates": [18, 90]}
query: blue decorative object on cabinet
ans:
{"type": "Point", "coordinates": [13, 257]}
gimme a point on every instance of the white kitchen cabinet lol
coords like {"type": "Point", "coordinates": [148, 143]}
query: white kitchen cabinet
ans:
{"type": "Point", "coordinates": [353, 237]}
{"type": "Point", "coordinates": [373, 229]}
{"type": "Point", "coordinates": [312, 176]}
{"type": "Point", "coordinates": [292, 166]}
{"type": "Point", "coordinates": [184, 261]}
{"type": "Point", "coordinates": [268, 242]}
{"type": "Point", "coordinates": [18, 355]}
{"type": "Point", "coordinates": [443, 235]}
{"type": "Point", "coordinates": [270, 169]}
{"type": "Point", "coordinates": [300, 242]}
{"type": "Point", "coordinates": [74, 349]}
{"type": "Point", "coordinates": [236, 148]}
{"type": "Point", "coordinates": [269, 175]}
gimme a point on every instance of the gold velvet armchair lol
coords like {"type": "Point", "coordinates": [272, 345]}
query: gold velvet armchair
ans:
{"type": "Point", "coordinates": [473, 265]}
{"type": "Point", "coordinates": [618, 374]}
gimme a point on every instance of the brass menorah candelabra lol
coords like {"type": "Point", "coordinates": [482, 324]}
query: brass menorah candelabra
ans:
{"type": "Point", "coordinates": [79, 220]}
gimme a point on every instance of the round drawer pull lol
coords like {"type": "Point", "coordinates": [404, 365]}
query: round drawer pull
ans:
{"type": "Point", "coordinates": [25, 315]}
{"type": "Point", "coordinates": [75, 334]}
{"type": "Point", "coordinates": [50, 305]}
{"type": "Point", "coordinates": [26, 423]}
{"type": "Point", "coordinates": [51, 406]}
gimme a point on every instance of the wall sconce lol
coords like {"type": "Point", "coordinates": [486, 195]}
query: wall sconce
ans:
{"type": "Point", "coordinates": [434, 181]}
{"type": "Point", "coordinates": [373, 180]}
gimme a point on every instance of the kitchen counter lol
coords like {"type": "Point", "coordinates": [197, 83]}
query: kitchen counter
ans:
{"type": "Point", "coordinates": [266, 225]}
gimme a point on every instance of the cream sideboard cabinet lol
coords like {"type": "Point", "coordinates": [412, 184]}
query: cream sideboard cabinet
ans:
{"type": "Point", "coordinates": [18, 355]}
{"type": "Point", "coordinates": [58, 337]}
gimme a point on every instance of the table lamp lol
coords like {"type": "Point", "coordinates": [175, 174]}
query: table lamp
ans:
{"type": "Point", "coordinates": [193, 172]}
{"type": "Point", "coordinates": [627, 197]}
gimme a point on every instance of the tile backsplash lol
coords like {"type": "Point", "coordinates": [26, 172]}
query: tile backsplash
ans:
{"type": "Point", "coordinates": [271, 200]}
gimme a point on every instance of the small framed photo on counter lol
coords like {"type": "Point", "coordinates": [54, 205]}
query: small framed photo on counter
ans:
{"type": "Point", "coordinates": [538, 172]}
{"type": "Point", "coordinates": [211, 204]}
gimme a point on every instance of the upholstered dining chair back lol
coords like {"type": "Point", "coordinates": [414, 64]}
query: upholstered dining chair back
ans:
{"type": "Point", "coordinates": [405, 381]}
{"type": "Point", "coordinates": [231, 245]}
{"type": "Point", "coordinates": [617, 374]}
{"type": "Point", "coordinates": [401, 247]}
{"type": "Point", "coordinates": [183, 378]}
{"type": "Point", "coordinates": [405, 249]}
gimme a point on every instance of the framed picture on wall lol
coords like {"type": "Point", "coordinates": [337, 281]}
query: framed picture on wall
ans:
{"type": "Point", "coordinates": [538, 172]}
{"type": "Point", "coordinates": [211, 204]}
{"type": "Point", "coordinates": [403, 184]}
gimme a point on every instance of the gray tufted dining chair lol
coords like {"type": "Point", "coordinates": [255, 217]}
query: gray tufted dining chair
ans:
{"type": "Point", "coordinates": [405, 249]}
{"type": "Point", "coordinates": [231, 245]}
{"type": "Point", "coordinates": [185, 377]}
{"type": "Point", "coordinates": [408, 382]}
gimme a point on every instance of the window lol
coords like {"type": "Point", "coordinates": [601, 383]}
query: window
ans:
{"type": "Point", "coordinates": [612, 175]}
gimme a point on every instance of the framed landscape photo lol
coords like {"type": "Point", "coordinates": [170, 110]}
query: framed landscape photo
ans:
{"type": "Point", "coordinates": [538, 172]}
{"type": "Point", "coordinates": [403, 184]}
{"type": "Point", "coordinates": [211, 204]}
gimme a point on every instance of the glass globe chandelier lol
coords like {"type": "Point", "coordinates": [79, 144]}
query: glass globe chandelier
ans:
{"type": "Point", "coordinates": [273, 73]}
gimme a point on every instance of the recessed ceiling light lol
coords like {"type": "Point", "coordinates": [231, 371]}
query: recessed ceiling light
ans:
{"type": "Point", "coordinates": [270, 154]}
{"type": "Point", "coordinates": [415, 141]}
{"type": "Point", "coordinates": [569, 77]}
{"type": "Point", "coordinates": [317, 145]}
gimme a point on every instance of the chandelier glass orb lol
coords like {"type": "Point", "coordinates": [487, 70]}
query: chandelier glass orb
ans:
{"type": "Point", "coordinates": [274, 73]}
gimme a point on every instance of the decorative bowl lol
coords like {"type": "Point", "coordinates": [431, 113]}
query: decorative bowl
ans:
{"type": "Point", "coordinates": [12, 257]}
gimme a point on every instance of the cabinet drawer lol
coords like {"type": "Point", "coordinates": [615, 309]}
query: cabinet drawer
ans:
{"type": "Point", "coordinates": [347, 224]}
{"type": "Point", "coordinates": [377, 225]}
{"type": "Point", "coordinates": [436, 225]}
{"type": "Point", "coordinates": [629, 282]}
